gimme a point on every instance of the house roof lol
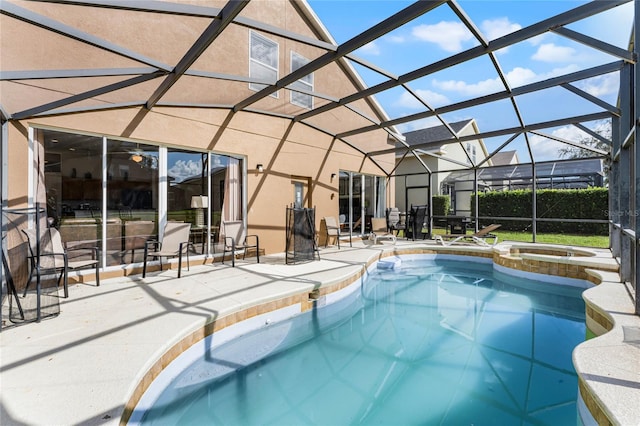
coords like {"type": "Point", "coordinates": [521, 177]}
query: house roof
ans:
{"type": "Point", "coordinates": [505, 157]}
{"type": "Point", "coordinates": [436, 134]}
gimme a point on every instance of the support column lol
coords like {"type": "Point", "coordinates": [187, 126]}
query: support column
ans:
{"type": "Point", "coordinates": [3, 203]}
{"type": "Point", "coordinates": [534, 201]}
{"type": "Point", "coordinates": [476, 198]}
{"type": "Point", "coordinates": [627, 102]}
{"type": "Point", "coordinates": [635, 158]}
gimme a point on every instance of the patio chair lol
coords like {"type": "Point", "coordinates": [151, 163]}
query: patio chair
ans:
{"type": "Point", "coordinates": [379, 230]}
{"type": "Point", "coordinates": [417, 218]}
{"type": "Point", "coordinates": [332, 229]}
{"type": "Point", "coordinates": [136, 234]}
{"type": "Point", "coordinates": [54, 258]}
{"type": "Point", "coordinates": [477, 237]}
{"type": "Point", "coordinates": [395, 222]}
{"type": "Point", "coordinates": [174, 243]}
{"type": "Point", "coordinates": [343, 221]}
{"type": "Point", "coordinates": [11, 288]}
{"type": "Point", "coordinates": [236, 240]}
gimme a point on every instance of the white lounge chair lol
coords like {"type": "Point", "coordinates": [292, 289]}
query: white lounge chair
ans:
{"type": "Point", "coordinates": [479, 237]}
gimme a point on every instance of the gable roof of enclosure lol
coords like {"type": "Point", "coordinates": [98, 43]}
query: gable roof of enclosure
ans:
{"type": "Point", "coordinates": [69, 89]}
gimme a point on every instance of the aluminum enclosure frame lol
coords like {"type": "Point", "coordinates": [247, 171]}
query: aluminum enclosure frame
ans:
{"type": "Point", "coordinates": [624, 175]}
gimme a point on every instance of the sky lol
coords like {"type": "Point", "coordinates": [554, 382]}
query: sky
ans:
{"type": "Point", "coordinates": [440, 34]}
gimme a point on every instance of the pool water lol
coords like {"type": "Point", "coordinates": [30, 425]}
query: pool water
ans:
{"type": "Point", "coordinates": [431, 342]}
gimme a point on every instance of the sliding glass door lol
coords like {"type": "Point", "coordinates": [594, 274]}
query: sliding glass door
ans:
{"type": "Point", "coordinates": [226, 176]}
{"type": "Point", "coordinates": [132, 199]}
{"type": "Point", "coordinates": [116, 194]}
{"type": "Point", "coordinates": [73, 185]}
{"type": "Point", "coordinates": [361, 198]}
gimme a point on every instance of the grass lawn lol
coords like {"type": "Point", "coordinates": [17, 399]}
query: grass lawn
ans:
{"type": "Point", "coordinates": [599, 241]}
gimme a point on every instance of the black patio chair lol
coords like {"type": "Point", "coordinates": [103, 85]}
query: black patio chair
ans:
{"type": "Point", "coordinates": [416, 221]}
{"type": "Point", "coordinates": [50, 256]}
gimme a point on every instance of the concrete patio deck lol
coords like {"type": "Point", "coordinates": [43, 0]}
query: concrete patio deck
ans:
{"type": "Point", "coordinates": [83, 366]}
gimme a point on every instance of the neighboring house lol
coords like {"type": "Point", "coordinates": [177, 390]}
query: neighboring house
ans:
{"type": "Point", "coordinates": [92, 129]}
{"type": "Point", "coordinates": [505, 157]}
{"type": "Point", "coordinates": [438, 150]}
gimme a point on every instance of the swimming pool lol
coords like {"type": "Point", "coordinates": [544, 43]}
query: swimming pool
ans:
{"type": "Point", "coordinates": [431, 342]}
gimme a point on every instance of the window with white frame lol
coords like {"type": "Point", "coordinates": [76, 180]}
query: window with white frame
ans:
{"type": "Point", "coordinates": [471, 150]}
{"type": "Point", "coordinates": [263, 61]}
{"type": "Point", "coordinates": [305, 83]}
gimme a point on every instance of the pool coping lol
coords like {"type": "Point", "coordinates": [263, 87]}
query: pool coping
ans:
{"type": "Point", "coordinates": [607, 314]}
{"type": "Point", "coordinates": [599, 407]}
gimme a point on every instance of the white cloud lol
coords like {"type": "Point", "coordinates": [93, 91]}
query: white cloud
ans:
{"type": "Point", "coordinates": [521, 76]}
{"type": "Point", "coordinates": [547, 149]}
{"type": "Point", "coordinates": [432, 98]}
{"type": "Point", "coordinates": [549, 52]}
{"type": "Point", "coordinates": [395, 38]}
{"type": "Point", "coordinates": [496, 28]}
{"type": "Point", "coordinates": [448, 35]}
{"type": "Point", "coordinates": [370, 49]}
{"type": "Point", "coordinates": [601, 85]}
{"type": "Point", "coordinates": [182, 170]}
{"type": "Point", "coordinates": [544, 149]}
{"type": "Point", "coordinates": [570, 133]}
{"type": "Point", "coordinates": [480, 88]}
{"type": "Point", "coordinates": [424, 123]}
{"type": "Point", "coordinates": [538, 40]}
{"type": "Point", "coordinates": [516, 77]}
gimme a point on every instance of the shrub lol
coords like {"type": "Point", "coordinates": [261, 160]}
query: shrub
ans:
{"type": "Point", "coordinates": [441, 205]}
{"type": "Point", "coordinates": [589, 203]}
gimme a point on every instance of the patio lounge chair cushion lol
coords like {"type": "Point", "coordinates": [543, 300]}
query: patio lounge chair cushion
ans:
{"type": "Point", "coordinates": [379, 230]}
{"type": "Point", "coordinates": [479, 237]}
{"type": "Point", "coordinates": [54, 258]}
{"type": "Point", "coordinates": [237, 240]}
{"type": "Point", "coordinates": [174, 243]}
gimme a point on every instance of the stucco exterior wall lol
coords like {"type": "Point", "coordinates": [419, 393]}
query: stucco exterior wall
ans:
{"type": "Point", "coordinates": [299, 151]}
{"type": "Point", "coordinates": [285, 149]}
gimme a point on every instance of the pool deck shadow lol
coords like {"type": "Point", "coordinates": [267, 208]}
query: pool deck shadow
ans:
{"type": "Point", "coordinates": [84, 365]}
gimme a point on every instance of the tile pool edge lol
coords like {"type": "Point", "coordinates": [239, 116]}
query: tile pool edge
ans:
{"type": "Point", "coordinates": [496, 255]}
{"type": "Point", "coordinates": [199, 332]}
{"type": "Point", "coordinates": [607, 364]}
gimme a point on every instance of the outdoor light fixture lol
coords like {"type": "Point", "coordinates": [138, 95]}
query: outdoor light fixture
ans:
{"type": "Point", "coordinates": [260, 168]}
{"type": "Point", "coordinates": [333, 176]}
{"type": "Point", "coordinates": [136, 155]}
